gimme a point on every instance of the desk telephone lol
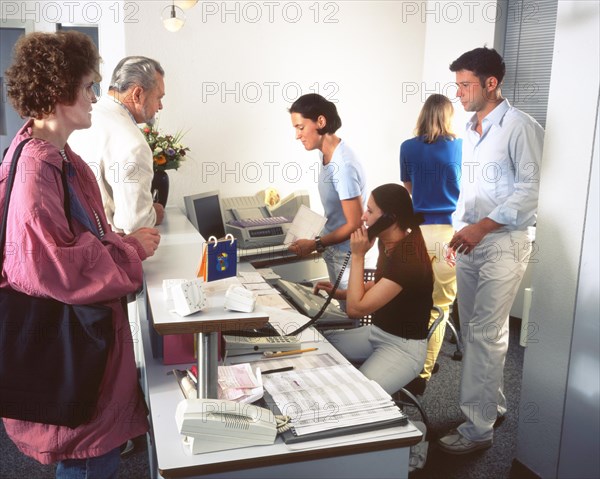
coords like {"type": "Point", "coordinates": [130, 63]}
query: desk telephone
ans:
{"type": "Point", "coordinates": [216, 424]}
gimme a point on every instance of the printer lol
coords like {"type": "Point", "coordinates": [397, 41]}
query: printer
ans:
{"type": "Point", "coordinates": [257, 224]}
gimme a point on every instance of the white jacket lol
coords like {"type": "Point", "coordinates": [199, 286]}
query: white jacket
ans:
{"type": "Point", "coordinates": [118, 154]}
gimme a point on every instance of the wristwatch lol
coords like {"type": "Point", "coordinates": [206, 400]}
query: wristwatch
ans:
{"type": "Point", "coordinates": [319, 244]}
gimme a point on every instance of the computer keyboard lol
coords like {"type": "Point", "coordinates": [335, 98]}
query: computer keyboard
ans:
{"type": "Point", "coordinates": [250, 222]}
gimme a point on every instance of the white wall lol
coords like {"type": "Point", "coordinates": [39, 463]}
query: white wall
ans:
{"type": "Point", "coordinates": [452, 28]}
{"type": "Point", "coordinates": [236, 66]}
{"type": "Point", "coordinates": [358, 54]}
{"type": "Point", "coordinates": [557, 281]}
{"type": "Point", "coordinates": [364, 54]}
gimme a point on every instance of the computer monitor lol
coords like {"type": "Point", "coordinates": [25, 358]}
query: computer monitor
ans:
{"type": "Point", "coordinates": [204, 211]}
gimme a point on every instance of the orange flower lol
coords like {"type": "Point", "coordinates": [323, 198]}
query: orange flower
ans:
{"type": "Point", "coordinates": [160, 159]}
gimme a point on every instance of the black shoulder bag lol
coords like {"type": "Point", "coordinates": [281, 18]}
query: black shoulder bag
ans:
{"type": "Point", "coordinates": [52, 355]}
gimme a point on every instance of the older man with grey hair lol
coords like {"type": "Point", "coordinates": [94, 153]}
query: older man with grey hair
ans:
{"type": "Point", "coordinates": [116, 149]}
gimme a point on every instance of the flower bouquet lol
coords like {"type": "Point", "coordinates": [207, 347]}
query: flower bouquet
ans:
{"type": "Point", "coordinates": [167, 150]}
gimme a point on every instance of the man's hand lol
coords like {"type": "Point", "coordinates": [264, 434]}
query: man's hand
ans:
{"type": "Point", "coordinates": [160, 213]}
{"type": "Point", "coordinates": [303, 247]}
{"type": "Point", "coordinates": [149, 238]}
{"type": "Point", "coordinates": [465, 240]}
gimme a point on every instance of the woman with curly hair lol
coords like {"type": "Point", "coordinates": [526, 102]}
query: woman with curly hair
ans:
{"type": "Point", "coordinates": [79, 262]}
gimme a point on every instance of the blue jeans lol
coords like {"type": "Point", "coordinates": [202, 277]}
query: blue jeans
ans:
{"type": "Point", "coordinates": [102, 467]}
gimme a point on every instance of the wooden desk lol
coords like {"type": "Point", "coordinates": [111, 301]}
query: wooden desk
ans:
{"type": "Point", "coordinates": [382, 453]}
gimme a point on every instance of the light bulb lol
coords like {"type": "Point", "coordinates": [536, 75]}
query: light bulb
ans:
{"type": "Point", "coordinates": [173, 18]}
{"type": "Point", "coordinates": [186, 4]}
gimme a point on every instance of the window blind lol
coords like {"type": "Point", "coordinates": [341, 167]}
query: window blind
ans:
{"type": "Point", "coordinates": [528, 47]}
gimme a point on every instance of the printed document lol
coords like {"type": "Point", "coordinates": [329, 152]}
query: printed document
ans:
{"type": "Point", "coordinates": [306, 224]}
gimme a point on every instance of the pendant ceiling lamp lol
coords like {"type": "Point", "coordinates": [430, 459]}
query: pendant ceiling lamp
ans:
{"type": "Point", "coordinates": [173, 18]}
{"type": "Point", "coordinates": [186, 4]}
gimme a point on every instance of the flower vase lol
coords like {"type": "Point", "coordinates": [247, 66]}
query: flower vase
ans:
{"type": "Point", "coordinates": [160, 187]}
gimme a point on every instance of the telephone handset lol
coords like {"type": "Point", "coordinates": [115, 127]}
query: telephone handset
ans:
{"type": "Point", "coordinates": [383, 222]}
{"type": "Point", "coordinates": [217, 424]}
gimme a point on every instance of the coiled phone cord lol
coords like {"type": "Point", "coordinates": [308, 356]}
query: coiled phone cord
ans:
{"type": "Point", "coordinates": [317, 316]}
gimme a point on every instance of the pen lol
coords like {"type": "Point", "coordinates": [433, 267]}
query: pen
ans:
{"type": "Point", "coordinates": [280, 370]}
{"type": "Point", "coordinates": [278, 354]}
{"type": "Point", "coordinates": [191, 376]}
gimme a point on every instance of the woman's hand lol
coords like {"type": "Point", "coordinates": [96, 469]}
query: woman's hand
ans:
{"type": "Point", "coordinates": [303, 247]}
{"type": "Point", "coordinates": [359, 242]}
{"type": "Point", "coordinates": [328, 287]}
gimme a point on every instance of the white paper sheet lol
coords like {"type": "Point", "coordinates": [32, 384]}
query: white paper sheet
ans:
{"type": "Point", "coordinates": [306, 224]}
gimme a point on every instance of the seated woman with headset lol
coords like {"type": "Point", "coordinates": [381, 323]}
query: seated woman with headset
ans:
{"type": "Point", "coordinates": [393, 348]}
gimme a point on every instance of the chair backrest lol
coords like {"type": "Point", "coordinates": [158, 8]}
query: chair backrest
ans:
{"type": "Point", "coordinates": [368, 275]}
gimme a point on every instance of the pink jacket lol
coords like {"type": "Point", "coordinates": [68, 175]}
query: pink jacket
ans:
{"type": "Point", "coordinates": [43, 258]}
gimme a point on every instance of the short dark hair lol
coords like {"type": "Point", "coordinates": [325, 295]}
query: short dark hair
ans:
{"type": "Point", "coordinates": [483, 62]}
{"type": "Point", "coordinates": [312, 106]}
{"type": "Point", "coordinates": [47, 69]}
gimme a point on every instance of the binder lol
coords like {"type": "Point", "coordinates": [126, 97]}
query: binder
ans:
{"type": "Point", "coordinates": [290, 436]}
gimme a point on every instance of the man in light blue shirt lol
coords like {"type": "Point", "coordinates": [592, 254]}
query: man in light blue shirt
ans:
{"type": "Point", "coordinates": [502, 152]}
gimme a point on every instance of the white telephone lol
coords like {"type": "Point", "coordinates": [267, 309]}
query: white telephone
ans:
{"type": "Point", "coordinates": [188, 296]}
{"type": "Point", "coordinates": [238, 298]}
{"type": "Point", "coordinates": [217, 424]}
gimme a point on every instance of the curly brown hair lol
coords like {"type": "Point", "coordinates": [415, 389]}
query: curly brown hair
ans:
{"type": "Point", "coordinates": [47, 69]}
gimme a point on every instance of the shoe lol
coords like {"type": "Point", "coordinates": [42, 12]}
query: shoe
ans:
{"type": "Point", "coordinates": [455, 443]}
{"type": "Point", "coordinates": [417, 386]}
{"type": "Point", "coordinates": [436, 368]}
{"type": "Point", "coordinates": [127, 448]}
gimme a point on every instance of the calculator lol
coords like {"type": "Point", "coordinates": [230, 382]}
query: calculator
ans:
{"type": "Point", "coordinates": [238, 345]}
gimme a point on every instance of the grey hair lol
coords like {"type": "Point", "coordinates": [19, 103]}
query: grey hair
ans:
{"type": "Point", "coordinates": [135, 71]}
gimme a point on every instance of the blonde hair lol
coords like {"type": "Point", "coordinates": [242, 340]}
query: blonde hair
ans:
{"type": "Point", "coordinates": [435, 119]}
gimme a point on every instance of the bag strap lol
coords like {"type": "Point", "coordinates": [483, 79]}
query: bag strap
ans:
{"type": "Point", "coordinates": [10, 180]}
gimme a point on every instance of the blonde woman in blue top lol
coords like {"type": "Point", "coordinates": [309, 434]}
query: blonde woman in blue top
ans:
{"type": "Point", "coordinates": [430, 168]}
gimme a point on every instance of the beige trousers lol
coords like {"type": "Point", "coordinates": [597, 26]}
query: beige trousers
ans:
{"type": "Point", "coordinates": [437, 238]}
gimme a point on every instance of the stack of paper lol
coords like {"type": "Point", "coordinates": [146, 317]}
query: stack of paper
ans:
{"type": "Point", "coordinates": [238, 383]}
{"type": "Point", "coordinates": [328, 398]}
